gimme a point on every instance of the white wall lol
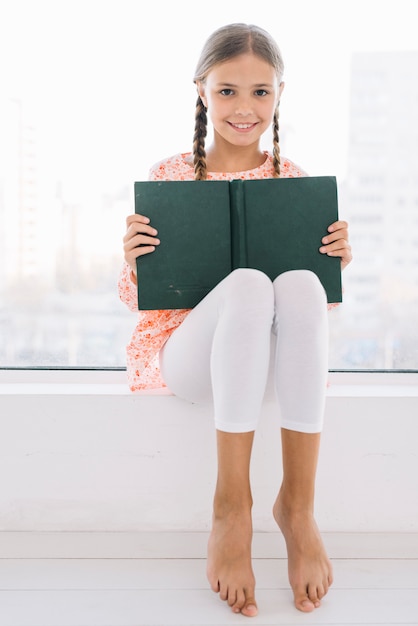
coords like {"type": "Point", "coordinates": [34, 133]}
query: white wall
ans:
{"type": "Point", "coordinates": [95, 457]}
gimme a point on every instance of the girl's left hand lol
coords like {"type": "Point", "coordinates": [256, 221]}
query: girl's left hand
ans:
{"type": "Point", "coordinates": [336, 243]}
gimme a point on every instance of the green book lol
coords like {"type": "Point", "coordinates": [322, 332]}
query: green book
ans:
{"type": "Point", "coordinates": [209, 228]}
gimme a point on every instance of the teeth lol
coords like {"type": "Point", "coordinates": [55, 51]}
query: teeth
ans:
{"type": "Point", "coordinates": [242, 125]}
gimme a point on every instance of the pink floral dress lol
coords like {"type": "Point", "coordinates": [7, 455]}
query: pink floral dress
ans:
{"type": "Point", "coordinates": [153, 328]}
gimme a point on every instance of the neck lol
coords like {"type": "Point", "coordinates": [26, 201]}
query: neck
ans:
{"type": "Point", "coordinates": [233, 158]}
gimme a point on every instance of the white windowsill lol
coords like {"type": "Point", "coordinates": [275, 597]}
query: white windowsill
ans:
{"type": "Point", "coordinates": [80, 452]}
{"type": "Point", "coordinates": [109, 382]}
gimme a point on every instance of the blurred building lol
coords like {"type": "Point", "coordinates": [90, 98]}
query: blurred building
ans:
{"type": "Point", "coordinates": [381, 202]}
{"type": "Point", "coordinates": [25, 229]}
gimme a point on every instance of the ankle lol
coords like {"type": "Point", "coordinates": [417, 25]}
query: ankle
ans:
{"type": "Point", "coordinates": [290, 505]}
{"type": "Point", "coordinates": [231, 505]}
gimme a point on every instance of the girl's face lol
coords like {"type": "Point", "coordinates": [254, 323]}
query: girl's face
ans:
{"type": "Point", "coordinates": [241, 96]}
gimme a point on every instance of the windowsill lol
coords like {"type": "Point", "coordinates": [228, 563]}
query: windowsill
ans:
{"type": "Point", "coordinates": [113, 382]}
{"type": "Point", "coordinates": [77, 444]}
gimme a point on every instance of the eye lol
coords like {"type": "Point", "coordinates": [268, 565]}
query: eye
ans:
{"type": "Point", "coordinates": [226, 92]}
{"type": "Point", "coordinates": [261, 92]}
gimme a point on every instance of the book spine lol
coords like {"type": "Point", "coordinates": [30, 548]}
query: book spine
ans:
{"type": "Point", "coordinates": [238, 226]}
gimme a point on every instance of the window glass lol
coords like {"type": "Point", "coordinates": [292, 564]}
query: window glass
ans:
{"type": "Point", "coordinates": [93, 93]}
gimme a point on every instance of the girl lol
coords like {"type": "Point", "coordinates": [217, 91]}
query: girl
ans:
{"type": "Point", "coordinates": [220, 350]}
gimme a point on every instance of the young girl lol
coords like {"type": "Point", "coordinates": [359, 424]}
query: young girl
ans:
{"type": "Point", "coordinates": [220, 350]}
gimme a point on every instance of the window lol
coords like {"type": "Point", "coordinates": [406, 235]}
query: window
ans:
{"type": "Point", "coordinates": [93, 93]}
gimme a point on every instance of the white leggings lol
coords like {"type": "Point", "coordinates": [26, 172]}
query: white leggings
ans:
{"type": "Point", "coordinates": [221, 352]}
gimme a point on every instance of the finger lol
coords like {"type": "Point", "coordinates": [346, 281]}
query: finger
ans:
{"type": "Point", "coordinates": [139, 228]}
{"type": "Point", "coordinates": [139, 241]}
{"type": "Point", "coordinates": [339, 248]}
{"type": "Point", "coordinates": [341, 233]}
{"type": "Point", "coordinates": [138, 252]}
{"type": "Point", "coordinates": [136, 217]}
{"type": "Point", "coordinates": [340, 224]}
{"type": "Point", "coordinates": [133, 255]}
{"type": "Point", "coordinates": [343, 253]}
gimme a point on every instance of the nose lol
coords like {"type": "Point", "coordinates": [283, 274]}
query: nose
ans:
{"type": "Point", "coordinates": [243, 107]}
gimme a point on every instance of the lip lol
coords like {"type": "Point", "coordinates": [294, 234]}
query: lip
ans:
{"type": "Point", "coordinates": [243, 127]}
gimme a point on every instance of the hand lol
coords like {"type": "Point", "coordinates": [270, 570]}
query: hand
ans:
{"type": "Point", "coordinates": [336, 243]}
{"type": "Point", "coordinates": [139, 239]}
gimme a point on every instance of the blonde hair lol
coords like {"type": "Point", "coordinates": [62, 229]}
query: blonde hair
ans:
{"type": "Point", "coordinates": [225, 43]}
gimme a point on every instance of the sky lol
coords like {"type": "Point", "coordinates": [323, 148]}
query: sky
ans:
{"type": "Point", "coordinates": [108, 84]}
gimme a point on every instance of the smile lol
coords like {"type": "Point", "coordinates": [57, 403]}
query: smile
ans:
{"type": "Point", "coordinates": [242, 126]}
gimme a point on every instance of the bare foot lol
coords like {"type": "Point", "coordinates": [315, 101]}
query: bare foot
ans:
{"type": "Point", "coordinates": [310, 570]}
{"type": "Point", "coordinates": [229, 568]}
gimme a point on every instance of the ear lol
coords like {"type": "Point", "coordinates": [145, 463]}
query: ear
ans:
{"type": "Point", "coordinates": [281, 87]}
{"type": "Point", "coordinates": [201, 91]}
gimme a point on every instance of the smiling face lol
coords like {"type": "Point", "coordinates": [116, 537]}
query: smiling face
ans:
{"type": "Point", "coordinates": [241, 95]}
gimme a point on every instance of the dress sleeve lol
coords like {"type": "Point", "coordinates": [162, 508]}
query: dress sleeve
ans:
{"type": "Point", "coordinates": [127, 289]}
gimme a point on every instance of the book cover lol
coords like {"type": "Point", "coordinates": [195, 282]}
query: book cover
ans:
{"type": "Point", "coordinates": [209, 228]}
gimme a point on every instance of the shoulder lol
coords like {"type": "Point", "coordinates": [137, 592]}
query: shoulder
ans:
{"type": "Point", "coordinates": [289, 169]}
{"type": "Point", "coordinates": [175, 167]}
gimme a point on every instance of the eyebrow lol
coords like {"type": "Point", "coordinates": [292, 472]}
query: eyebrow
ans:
{"type": "Point", "coordinates": [257, 85]}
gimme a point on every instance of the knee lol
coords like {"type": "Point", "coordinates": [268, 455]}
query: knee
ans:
{"type": "Point", "coordinates": [304, 281]}
{"type": "Point", "coordinates": [253, 282]}
{"type": "Point", "coordinates": [298, 292]}
{"type": "Point", "coordinates": [251, 289]}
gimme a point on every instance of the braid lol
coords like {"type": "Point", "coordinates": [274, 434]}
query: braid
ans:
{"type": "Point", "coordinates": [276, 147]}
{"type": "Point", "coordinates": [199, 153]}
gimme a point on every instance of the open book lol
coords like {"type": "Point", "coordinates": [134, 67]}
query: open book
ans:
{"type": "Point", "coordinates": [209, 228]}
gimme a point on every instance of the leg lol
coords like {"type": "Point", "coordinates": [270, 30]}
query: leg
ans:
{"type": "Point", "coordinates": [301, 374]}
{"type": "Point", "coordinates": [310, 571]}
{"type": "Point", "coordinates": [229, 567]}
{"type": "Point", "coordinates": [222, 350]}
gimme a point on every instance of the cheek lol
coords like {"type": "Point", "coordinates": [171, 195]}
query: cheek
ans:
{"type": "Point", "coordinates": [269, 113]}
{"type": "Point", "coordinates": [217, 108]}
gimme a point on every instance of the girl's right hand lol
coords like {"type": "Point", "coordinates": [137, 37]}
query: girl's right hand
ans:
{"type": "Point", "coordinates": [139, 239]}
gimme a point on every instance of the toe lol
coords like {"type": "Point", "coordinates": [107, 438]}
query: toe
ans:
{"type": "Point", "coordinates": [314, 595]}
{"type": "Point", "coordinates": [232, 598]}
{"type": "Point", "coordinates": [305, 605]}
{"type": "Point", "coordinates": [215, 587]}
{"type": "Point", "coordinates": [239, 602]}
{"type": "Point", "coordinates": [223, 592]}
{"type": "Point", "coordinates": [302, 600]}
{"type": "Point", "coordinates": [250, 607]}
{"type": "Point", "coordinates": [245, 604]}
{"type": "Point", "coordinates": [213, 581]}
{"type": "Point", "coordinates": [321, 591]}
